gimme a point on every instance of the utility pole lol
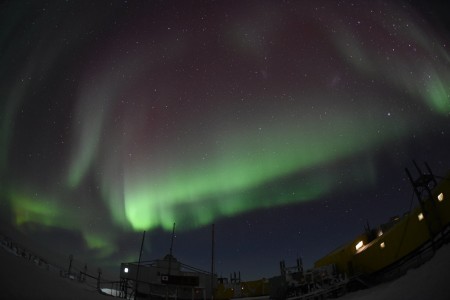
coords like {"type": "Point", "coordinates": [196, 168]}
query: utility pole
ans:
{"type": "Point", "coordinates": [99, 278]}
{"type": "Point", "coordinates": [70, 264]}
{"type": "Point", "coordinates": [139, 264]}
{"type": "Point", "coordinates": [212, 262]}
{"type": "Point", "coordinates": [171, 247]}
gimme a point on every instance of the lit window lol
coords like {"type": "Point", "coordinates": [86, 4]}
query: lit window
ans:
{"type": "Point", "coordinates": [440, 197]}
{"type": "Point", "coordinates": [125, 270]}
{"type": "Point", "coordinates": [382, 245]}
{"type": "Point", "coordinates": [420, 216]}
{"type": "Point", "coordinates": [359, 245]}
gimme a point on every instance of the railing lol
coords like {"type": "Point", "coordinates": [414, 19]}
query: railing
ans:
{"type": "Point", "coordinates": [71, 272]}
{"type": "Point", "coordinates": [414, 259]}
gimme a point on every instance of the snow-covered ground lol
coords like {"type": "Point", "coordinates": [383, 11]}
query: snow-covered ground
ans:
{"type": "Point", "coordinates": [22, 278]}
{"type": "Point", "coordinates": [429, 281]}
{"type": "Point", "coordinates": [112, 292]}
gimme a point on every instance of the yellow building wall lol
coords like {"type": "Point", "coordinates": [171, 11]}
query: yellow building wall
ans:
{"type": "Point", "coordinates": [255, 288]}
{"type": "Point", "coordinates": [342, 257]}
{"type": "Point", "coordinates": [400, 240]}
{"type": "Point", "coordinates": [223, 292]}
{"type": "Point", "coordinates": [444, 205]}
{"type": "Point", "coordinates": [408, 234]}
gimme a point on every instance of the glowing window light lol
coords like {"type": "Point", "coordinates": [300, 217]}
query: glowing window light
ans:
{"type": "Point", "coordinates": [420, 216]}
{"type": "Point", "coordinates": [440, 197]}
{"type": "Point", "coordinates": [125, 270]}
{"type": "Point", "coordinates": [359, 245]}
{"type": "Point", "coordinates": [382, 245]}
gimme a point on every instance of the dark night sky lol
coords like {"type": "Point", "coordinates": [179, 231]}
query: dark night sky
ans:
{"type": "Point", "coordinates": [287, 124]}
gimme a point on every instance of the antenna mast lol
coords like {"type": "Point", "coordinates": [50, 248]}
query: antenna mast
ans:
{"type": "Point", "coordinates": [212, 262]}
{"type": "Point", "coordinates": [171, 247]}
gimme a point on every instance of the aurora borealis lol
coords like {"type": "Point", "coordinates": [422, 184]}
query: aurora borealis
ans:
{"type": "Point", "coordinates": [287, 124]}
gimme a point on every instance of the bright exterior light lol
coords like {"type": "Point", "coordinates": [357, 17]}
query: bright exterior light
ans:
{"type": "Point", "coordinates": [382, 245]}
{"type": "Point", "coordinates": [359, 245]}
{"type": "Point", "coordinates": [125, 270]}
{"type": "Point", "coordinates": [380, 232]}
{"type": "Point", "coordinates": [420, 216]}
{"type": "Point", "coordinates": [440, 197]}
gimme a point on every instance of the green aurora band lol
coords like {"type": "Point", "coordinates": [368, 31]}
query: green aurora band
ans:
{"type": "Point", "coordinates": [37, 212]}
{"type": "Point", "coordinates": [247, 164]}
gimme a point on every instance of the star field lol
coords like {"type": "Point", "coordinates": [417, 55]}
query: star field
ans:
{"type": "Point", "coordinates": [287, 124]}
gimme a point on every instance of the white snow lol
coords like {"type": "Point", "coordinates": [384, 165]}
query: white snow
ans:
{"type": "Point", "coordinates": [429, 281]}
{"type": "Point", "coordinates": [112, 292]}
{"type": "Point", "coordinates": [23, 279]}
